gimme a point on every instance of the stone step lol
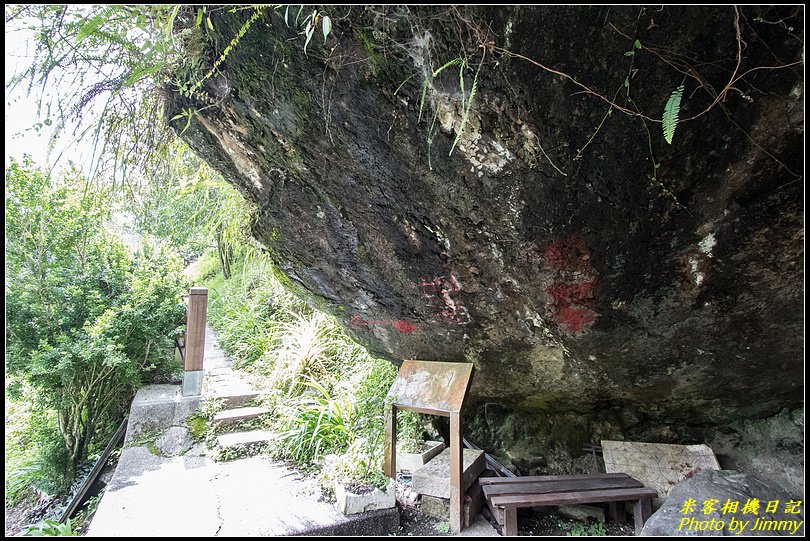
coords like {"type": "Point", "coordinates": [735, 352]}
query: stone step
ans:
{"type": "Point", "coordinates": [238, 439]}
{"type": "Point", "coordinates": [236, 400]}
{"type": "Point", "coordinates": [236, 415]}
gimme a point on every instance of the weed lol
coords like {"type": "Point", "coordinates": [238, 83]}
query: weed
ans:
{"type": "Point", "coordinates": [317, 426]}
{"type": "Point", "coordinates": [146, 439]}
{"type": "Point", "coordinates": [581, 528]}
{"type": "Point", "coordinates": [85, 515]}
{"type": "Point", "coordinates": [51, 528]}
{"type": "Point", "coordinates": [197, 426]}
{"type": "Point", "coordinates": [443, 527]}
{"type": "Point", "coordinates": [226, 454]}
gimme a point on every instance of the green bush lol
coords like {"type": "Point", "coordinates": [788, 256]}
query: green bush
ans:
{"type": "Point", "coordinates": [35, 452]}
{"type": "Point", "coordinates": [86, 321]}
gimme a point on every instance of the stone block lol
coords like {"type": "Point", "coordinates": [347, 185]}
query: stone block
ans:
{"type": "Point", "coordinates": [583, 513]}
{"type": "Point", "coordinates": [175, 441]}
{"type": "Point", "coordinates": [433, 479]}
{"type": "Point", "coordinates": [414, 461]}
{"type": "Point", "coordinates": [350, 503]}
{"type": "Point", "coordinates": [440, 507]}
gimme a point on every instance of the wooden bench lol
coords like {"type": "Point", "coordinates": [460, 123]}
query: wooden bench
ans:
{"type": "Point", "coordinates": [504, 495]}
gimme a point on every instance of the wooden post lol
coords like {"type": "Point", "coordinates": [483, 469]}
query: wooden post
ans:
{"type": "Point", "coordinates": [390, 456]}
{"type": "Point", "coordinates": [510, 521]}
{"type": "Point", "coordinates": [196, 313]}
{"type": "Point", "coordinates": [456, 467]}
{"type": "Point", "coordinates": [642, 509]}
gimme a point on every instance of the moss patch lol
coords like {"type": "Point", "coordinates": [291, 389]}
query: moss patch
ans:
{"type": "Point", "coordinates": [197, 426]}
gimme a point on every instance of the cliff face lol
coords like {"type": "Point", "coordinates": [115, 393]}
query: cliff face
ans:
{"type": "Point", "coordinates": [587, 267]}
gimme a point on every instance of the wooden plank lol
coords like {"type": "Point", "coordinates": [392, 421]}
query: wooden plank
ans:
{"type": "Point", "coordinates": [431, 385]}
{"type": "Point", "coordinates": [589, 496]}
{"type": "Point", "coordinates": [534, 478]}
{"type": "Point", "coordinates": [97, 467]}
{"type": "Point", "coordinates": [427, 411]}
{"type": "Point", "coordinates": [559, 486]}
{"type": "Point", "coordinates": [497, 512]}
{"type": "Point", "coordinates": [389, 453]}
{"type": "Point", "coordinates": [195, 328]}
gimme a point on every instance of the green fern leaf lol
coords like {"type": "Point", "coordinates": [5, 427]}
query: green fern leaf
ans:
{"type": "Point", "coordinates": [671, 110]}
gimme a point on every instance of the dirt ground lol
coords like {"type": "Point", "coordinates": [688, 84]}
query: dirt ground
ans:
{"type": "Point", "coordinates": [531, 522]}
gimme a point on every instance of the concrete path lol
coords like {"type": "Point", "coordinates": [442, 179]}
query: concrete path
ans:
{"type": "Point", "coordinates": [183, 492]}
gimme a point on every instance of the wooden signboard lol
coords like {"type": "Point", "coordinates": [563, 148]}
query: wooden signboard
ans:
{"type": "Point", "coordinates": [436, 388]}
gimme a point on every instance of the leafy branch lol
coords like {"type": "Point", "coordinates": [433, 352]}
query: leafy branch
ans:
{"type": "Point", "coordinates": [310, 24]}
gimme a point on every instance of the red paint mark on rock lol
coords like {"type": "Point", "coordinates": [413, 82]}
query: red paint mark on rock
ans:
{"type": "Point", "coordinates": [573, 318]}
{"type": "Point", "coordinates": [563, 294]}
{"type": "Point", "coordinates": [568, 253]}
{"type": "Point", "coordinates": [568, 301]}
{"type": "Point", "coordinates": [570, 261]}
{"type": "Point", "coordinates": [400, 325]}
{"type": "Point", "coordinates": [404, 326]}
{"type": "Point", "coordinates": [441, 301]}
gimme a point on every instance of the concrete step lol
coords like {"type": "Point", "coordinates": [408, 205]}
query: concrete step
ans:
{"type": "Point", "coordinates": [236, 400]}
{"type": "Point", "coordinates": [236, 415]}
{"type": "Point", "coordinates": [238, 439]}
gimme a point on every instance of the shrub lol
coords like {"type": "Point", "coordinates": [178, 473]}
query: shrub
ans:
{"type": "Point", "coordinates": [87, 322]}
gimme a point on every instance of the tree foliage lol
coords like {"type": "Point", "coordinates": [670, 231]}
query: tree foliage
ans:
{"type": "Point", "coordinates": [189, 206]}
{"type": "Point", "coordinates": [87, 322]}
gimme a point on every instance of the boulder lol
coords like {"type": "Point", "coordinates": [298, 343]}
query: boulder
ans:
{"type": "Point", "coordinates": [702, 505]}
{"type": "Point", "coordinates": [529, 220]}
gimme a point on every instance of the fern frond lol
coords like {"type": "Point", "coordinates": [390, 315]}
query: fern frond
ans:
{"type": "Point", "coordinates": [671, 110]}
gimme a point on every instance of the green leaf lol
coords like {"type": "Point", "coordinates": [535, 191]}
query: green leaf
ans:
{"type": "Point", "coordinates": [627, 82]}
{"type": "Point", "coordinates": [403, 83]}
{"type": "Point", "coordinates": [327, 26]}
{"type": "Point", "coordinates": [139, 73]}
{"type": "Point", "coordinates": [199, 17]}
{"type": "Point", "coordinates": [671, 110]}
{"type": "Point", "coordinates": [629, 53]}
{"type": "Point", "coordinates": [454, 62]}
{"type": "Point", "coordinates": [210, 24]}
{"type": "Point", "coordinates": [465, 117]}
{"type": "Point", "coordinates": [310, 32]}
{"type": "Point", "coordinates": [637, 44]}
{"type": "Point", "coordinates": [89, 28]}
{"type": "Point", "coordinates": [422, 100]}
